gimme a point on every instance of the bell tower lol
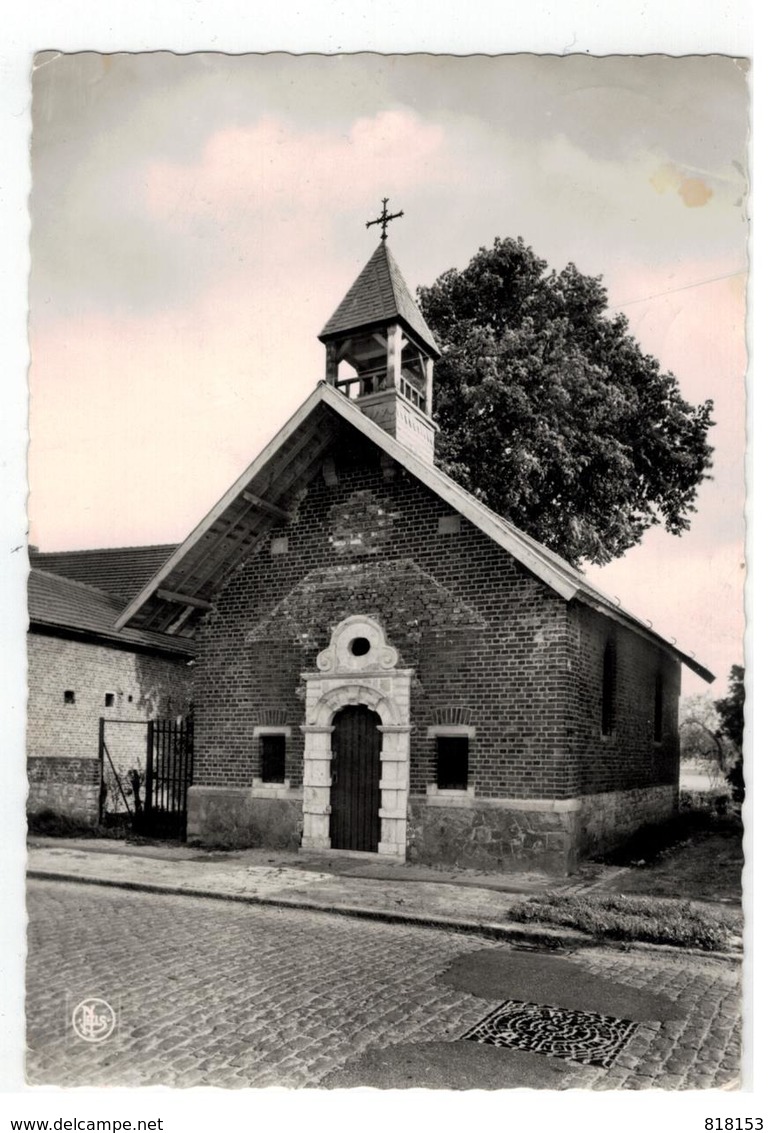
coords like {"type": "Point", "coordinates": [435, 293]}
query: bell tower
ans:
{"type": "Point", "coordinates": [379, 334]}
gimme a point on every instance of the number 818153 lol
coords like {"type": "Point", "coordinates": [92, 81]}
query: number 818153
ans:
{"type": "Point", "coordinates": [733, 1123]}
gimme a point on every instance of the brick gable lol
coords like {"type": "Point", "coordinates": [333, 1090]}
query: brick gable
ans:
{"type": "Point", "coordinates": [477, 628]}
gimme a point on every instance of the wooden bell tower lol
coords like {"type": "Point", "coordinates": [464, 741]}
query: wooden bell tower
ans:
{"type": "Point", "coordinates": [380, 352]}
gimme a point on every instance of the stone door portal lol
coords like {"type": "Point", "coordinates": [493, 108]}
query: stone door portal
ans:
{"type": "Point", "coordinates": [354, 790]}
{"type": "Point", "coordinates": [358, 709]}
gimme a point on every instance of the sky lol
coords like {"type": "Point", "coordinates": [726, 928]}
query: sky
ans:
{"type": "Point", "coordinates": [196, 219]}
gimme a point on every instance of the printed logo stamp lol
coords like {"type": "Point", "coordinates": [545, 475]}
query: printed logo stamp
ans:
{"type": "Point", "coordinates": [93, 1020]}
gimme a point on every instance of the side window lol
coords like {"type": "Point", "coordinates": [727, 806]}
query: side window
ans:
{"type": "Point", "coordinates": [272, 758]}
{"type": "Point", "coordinates": [657, 727]}
{"type": "Point", "coordinates": [608, 689]}
{"type": "Point", "coordinates": [453, 760]}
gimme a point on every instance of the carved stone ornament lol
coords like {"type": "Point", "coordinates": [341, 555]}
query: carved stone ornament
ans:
{"type": "Point", "coordinates": [357, 645]}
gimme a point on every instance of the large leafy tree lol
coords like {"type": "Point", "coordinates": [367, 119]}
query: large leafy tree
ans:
{"type": "Point", "coordinates": [551, 413]}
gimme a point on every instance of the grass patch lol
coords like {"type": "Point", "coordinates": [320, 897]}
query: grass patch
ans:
{"type": "Point", "coordinates": [698, 855]}
{"type": "Point", "coordinates": [651, 919]}
{"type": "Point", "coordinates": [649, 844]}
{"type": "Point", "coordinates": [52, 824]}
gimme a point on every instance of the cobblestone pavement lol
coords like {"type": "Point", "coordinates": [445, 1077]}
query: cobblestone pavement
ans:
{"type": "Point", "coordinates": [231, 995]}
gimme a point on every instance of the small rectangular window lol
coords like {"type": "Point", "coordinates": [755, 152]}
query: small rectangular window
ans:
{"type": "Point", "coordinates": [272, 759]}
{"type": "Point", "coordinates": [109, 699]}
{"type": "Point", "coordinates": [453, 758]}
{"type": "Point", "coordinates": [609, 680]}
{"type": "Point", "coordinates": [69, 696]}
{"type": "Point", "coordinates": [657, 730]}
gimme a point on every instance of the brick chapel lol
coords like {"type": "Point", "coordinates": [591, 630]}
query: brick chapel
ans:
{"type": "Point", "coordinates": [386, 667]}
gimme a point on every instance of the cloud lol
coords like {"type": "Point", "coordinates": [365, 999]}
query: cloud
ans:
{"type": "Point", "coordinates": [275, 168]}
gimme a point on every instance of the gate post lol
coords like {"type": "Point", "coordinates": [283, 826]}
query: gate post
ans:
{"type": "Point", "coordinates": [101, 799]}
{"type": "Point", "coordinates": [149, 770]}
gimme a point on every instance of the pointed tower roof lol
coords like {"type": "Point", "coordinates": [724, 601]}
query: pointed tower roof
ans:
{"type": "Point", "coordinates": [378, 295]}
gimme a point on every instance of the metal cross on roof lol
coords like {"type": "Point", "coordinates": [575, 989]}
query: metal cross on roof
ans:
{"type": "Point", "coordinates": [384, 219]}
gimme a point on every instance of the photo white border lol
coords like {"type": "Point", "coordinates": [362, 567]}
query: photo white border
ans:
{"type": "Point", "coordinates": [666, 26]}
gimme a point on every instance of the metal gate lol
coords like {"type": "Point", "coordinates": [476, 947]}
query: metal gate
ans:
{"type": "Point", "coordinates": [145, 780]}
{"type": "Point", "coordinates": [168, 774]}
{"type": "Point", "coordinates": [354, 793]}
{"type": "Point", "coordinates": [122, 751]}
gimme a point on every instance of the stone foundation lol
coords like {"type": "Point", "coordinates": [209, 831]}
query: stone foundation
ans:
{"type": "Point", "coordinates": [234, 818]}
{"type": "Point", "coordinates": [69, 787]}
{"type": "Point", "coordinates": [607, 819]}
{"type": "Point", "coordinates": [500, 835]}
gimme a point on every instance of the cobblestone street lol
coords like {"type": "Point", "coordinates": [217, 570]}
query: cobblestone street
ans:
{"type": "Point", "coordinates": [211, 993]}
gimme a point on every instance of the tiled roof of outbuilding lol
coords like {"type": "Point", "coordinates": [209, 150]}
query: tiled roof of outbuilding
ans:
{"type": "Point", "coordinates": [64, 604]}
{"type": "Point", "coordinates": [378, 295]}
{"type": "Point", "coordinates": [121, 571]}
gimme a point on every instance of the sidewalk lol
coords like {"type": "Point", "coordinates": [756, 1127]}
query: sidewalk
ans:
{"type": "Point", "coordinates": [462, 900]}
{"type": "Point", "coordinates": [469, 901]}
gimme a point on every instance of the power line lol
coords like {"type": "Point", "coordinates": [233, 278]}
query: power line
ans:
{"type": "Point", "coordinates": [672, 290]}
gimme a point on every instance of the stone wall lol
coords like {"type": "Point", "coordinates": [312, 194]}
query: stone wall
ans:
{"type": "Point", "coordinates": [67, 786]}
{"type": "Point", "coordinates": [493, 836]}
{"type": "Point", "coordinates": [232, 818]}
{"type": "Point", "coordinates": [607, 819]}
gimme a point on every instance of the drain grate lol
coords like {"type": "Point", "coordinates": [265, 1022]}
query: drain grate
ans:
{"type": "Point", "coordinates": [582, 1036]}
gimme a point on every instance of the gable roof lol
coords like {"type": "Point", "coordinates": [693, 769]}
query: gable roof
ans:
{"type": "Point", "coordinates": [378, 295]}
{"type": "Point", "coordinates": [122, 571]}
{"type": "Point", "coordinates": [80, 610]}
{"type": "Point", "coordinates": [265, 491]}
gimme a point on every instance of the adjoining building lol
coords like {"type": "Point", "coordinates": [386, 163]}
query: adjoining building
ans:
{"type": "Point", "coordinates": [82, 669]}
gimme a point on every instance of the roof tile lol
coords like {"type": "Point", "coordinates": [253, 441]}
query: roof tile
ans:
{"type": "Point", "coordinates": [122, 571]}
{"type": "Point", "coordinates": [66, 604]}
{"type": "Point", "coordinates": [379, 294]}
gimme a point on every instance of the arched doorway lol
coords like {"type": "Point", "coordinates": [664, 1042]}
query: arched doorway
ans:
{"type": "Point", "coordinates": [355, 774]}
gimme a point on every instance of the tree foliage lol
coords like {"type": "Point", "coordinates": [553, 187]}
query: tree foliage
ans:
{"type": "Point", "coordinates": [551, 413]}
{"type": "Point", "coordinates": [701, 740]}
{"type": "Point", "coordinates": [731, 714]}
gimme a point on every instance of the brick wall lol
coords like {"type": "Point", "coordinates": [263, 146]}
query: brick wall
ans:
{"type": "Point", "coordinates": [479, 631]}
{"type": "Point", "coordinates": [630, 757]}
{"type": "Point", "coordinates": [67, 734]}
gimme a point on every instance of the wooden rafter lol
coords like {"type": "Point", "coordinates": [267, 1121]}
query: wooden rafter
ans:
{"type": "Point", "coordinates": [264, 505]}
{"type": "Point", "coordinates": [184, 599]}
{"type": "Point", "coordinates": [218, 548]}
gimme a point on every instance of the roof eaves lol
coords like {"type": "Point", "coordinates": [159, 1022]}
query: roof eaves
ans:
{"type": "Point", "coordinates": [130, 641]}
{"type": "Point", "coordinates": [491, 524]}
{"type": "Point", "coordinates": [224, 502]}
{"type": "Point", "coordinates": [599, 602]}
{"type": "Point", "coordinates": [559, 575]}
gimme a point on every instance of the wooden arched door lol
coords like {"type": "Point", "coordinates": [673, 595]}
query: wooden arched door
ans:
{"type": "Point", "coordinates": [355, 768]}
